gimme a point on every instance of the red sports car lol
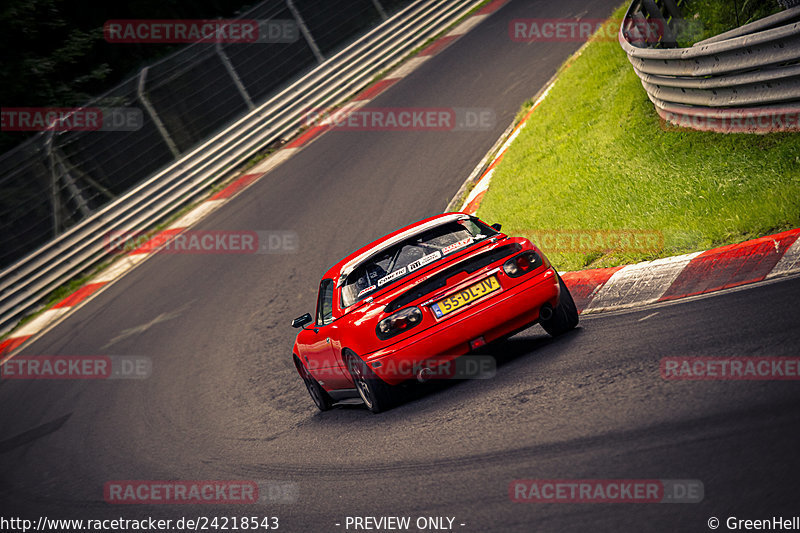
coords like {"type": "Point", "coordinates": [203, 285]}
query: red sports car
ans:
{"type": "Point", "coordinates": [418, 298]}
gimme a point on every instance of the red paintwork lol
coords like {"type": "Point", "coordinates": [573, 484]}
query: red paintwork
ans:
{"type": "Point", "coordinates": [731, 266]}
{"type": "Point", "coordinates": [494, 316]}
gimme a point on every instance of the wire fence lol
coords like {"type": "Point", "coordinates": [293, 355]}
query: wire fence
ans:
{"type": "Point", "coordinates": [56, 179]}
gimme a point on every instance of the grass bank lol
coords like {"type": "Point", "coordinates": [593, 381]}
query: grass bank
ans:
{"type": "Point", "coordinates": [595, 156]}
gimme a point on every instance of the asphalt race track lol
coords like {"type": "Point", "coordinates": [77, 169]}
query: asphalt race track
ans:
{"type": "Point", "coordinates": [224, 401]}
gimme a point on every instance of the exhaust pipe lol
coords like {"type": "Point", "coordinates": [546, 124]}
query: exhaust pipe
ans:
{"type": "Point", "coordinates": [424, 374]}
{"type": "Point", "coordinates": [546, 312]}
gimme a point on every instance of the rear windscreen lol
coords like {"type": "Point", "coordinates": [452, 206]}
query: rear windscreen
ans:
{"type": "Point", "coordinates": [422, 249]}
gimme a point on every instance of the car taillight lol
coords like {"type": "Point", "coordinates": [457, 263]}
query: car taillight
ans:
{"type": "Point", "coordinates": [522, 263]}
{"type": "Point", "coordinates": [398, 323]}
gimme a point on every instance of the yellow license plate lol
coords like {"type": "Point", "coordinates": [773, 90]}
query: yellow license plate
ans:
{"type": "Point", "coordinates": [465, 297]}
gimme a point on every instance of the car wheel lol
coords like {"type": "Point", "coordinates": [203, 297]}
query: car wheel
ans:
{"type": "Point", "coordinates": [565, 315]}
{"type": "Point", "coordinates": [321, 398]}
{"type": "Point", "coordinates": [376, 394]}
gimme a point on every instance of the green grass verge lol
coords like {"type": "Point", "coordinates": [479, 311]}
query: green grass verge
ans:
{"type": "Point", "coordinates": [595, 155]}
{"type": "Point", "coordinates": [713, 17]}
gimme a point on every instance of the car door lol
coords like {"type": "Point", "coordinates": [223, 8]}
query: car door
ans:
{"type": "Point", "coordinates": [323, 359]}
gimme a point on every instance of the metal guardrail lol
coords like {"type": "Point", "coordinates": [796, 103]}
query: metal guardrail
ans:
{"type": "Point", "coordinates": [55, 179]}
{"type": "Point", "coordinates": [743, 80]}
{"type": "Point", "coordinates": [24, 284]}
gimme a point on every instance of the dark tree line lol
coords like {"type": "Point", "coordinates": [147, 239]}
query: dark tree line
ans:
{"type": "Point", "coordinates": [53, 51]}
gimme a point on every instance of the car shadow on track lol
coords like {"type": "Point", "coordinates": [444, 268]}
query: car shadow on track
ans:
{"type": "Point", "coordinates": [541, 345]}
{"type": "Point", "coordinates": [530, 347]}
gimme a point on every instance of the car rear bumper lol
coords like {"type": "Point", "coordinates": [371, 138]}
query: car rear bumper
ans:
{"type": "Point", "coordinates": [493, 318]}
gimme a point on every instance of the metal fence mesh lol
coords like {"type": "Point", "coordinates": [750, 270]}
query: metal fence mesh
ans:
{"type": "Point", "coordinates": [56, 179]}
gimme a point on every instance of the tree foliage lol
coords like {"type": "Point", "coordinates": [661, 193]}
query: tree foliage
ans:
{"type": "Point", "coordinates": [54, 53]}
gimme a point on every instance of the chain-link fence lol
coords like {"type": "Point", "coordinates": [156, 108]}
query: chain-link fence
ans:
{"type": "Point", "coordinates": [58, 178]}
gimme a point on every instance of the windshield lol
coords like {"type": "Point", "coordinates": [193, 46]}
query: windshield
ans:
{"type": "Point", "coordinates": [414, 253]}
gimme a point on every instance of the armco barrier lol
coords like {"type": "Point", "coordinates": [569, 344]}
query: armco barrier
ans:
{"type": "Point", "coordinates": [24, 284]}
{"type": "Point", "coordinates": [744, 80]}
{"type": "Point", "coordinates": [54, 180]}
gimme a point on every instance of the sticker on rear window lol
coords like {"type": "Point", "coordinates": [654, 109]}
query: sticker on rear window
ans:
{"type": "Point", "coordinates": [365, 291]}
{"type": "Point", "coordinates": [393, 276]}
{"type": "Point", "coordinates": [426, 260]}
{"type": "Point", "coordinates": [456, 245]}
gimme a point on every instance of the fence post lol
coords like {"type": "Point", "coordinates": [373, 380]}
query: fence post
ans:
{"type": "Point", "coordinates": [56, 204]}
{"type": "Point", "coordinates": [673, 9]}
{"type": "Point", "coordinates": [380, 9]}
{"type": "Point", "coordinates": [304, 30]}
{"type": "Point", "coordinates": [234, 76]}
{"type": "Point", "coordinates": [153, 115]}
{"type": "Point", "coordinates": [73, 189]}
{"type": "Point", "coordinates": [58, 172]}
{"type": "Point", "coordinates": [667, 38]}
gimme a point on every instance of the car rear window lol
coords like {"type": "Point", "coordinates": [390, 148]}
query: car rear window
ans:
{"type": "Point", "coordinates": [393, 264]}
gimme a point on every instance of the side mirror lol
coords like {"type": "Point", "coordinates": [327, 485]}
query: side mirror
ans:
{"type": "Point", "coordinates": [301, 321]}
{"type": "Point", "coordinates": [497, 227]}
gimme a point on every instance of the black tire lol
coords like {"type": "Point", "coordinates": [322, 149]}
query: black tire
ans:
{"type": "Point", "coordinates": [376, 394]}
{"type": "Point", "coordinates": [565, 315]}
{"type": "Point", "coordinates": [321, 398]}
